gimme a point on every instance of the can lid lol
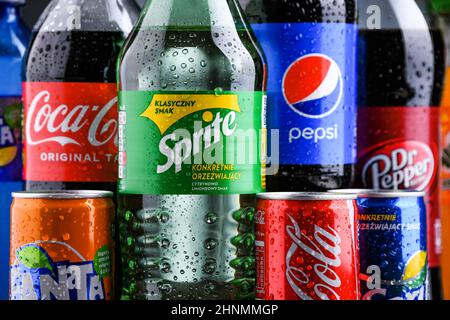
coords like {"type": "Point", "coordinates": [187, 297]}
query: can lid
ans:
{"type": "Point", "coordinates": [370, 193]}
{"type": "Point", "coordinates": [65, 195]}
{"type": "Point", "coordinates": [307, 196]}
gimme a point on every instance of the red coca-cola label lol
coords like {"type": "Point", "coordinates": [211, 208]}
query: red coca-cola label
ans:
{"type": "Point", "coordinates": [306, 250]}
{"type": "Point", "coordinates": [398, 149]}
{"type": "Point", "coordinates": [70, 132]}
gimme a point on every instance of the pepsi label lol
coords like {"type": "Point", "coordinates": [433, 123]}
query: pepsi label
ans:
{"type": "Point", "coordinates": [312, 90]}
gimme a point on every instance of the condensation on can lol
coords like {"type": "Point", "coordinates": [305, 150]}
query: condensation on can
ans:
{"type": "Point", "coordinates": [306, 247]}
{"type": "Point", "coordinates": [394, 258]}
{"type": "Point", "coordinates": [62, 246]}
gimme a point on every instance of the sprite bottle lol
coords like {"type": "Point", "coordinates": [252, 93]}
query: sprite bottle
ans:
{"type": "Point", "coordinates": [191, 140]}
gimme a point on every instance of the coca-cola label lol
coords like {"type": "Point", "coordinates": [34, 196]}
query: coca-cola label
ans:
{"type": "Point", "coordinates": [325, 247]}
{"type": "Point", "coordinates": [70, 132]}
{"type": "Point", "coordinates": [307, 251]}
{"type": "Point", "coordinates": [398, 149]}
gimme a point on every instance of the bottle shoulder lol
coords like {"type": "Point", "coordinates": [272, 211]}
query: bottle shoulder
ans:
{"type": "Point", "coordinates": [177, 60]}
{"type": "Point", "coordinates": [73, 56]}
{"type": "Point", "coordinates": [98, 15]}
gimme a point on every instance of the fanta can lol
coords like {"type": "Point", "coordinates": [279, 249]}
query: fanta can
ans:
{"type": "Point", "coordinates": [61, 246]}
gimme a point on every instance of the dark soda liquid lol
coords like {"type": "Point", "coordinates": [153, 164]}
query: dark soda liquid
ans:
{"type": "Point", "coordinates": [385, 74]}
{"type": "Point", "coordinates": [311, 178]}
{"type": "Point", "coordinates": [78, 56]}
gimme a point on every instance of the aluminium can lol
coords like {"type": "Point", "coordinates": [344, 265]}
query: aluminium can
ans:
{"type": "Point", "coordinates": [393, 245]}
{"type": "Point", "coordinates": [306, 247]}
{"type": "Point", "coordinates": [61, 246]}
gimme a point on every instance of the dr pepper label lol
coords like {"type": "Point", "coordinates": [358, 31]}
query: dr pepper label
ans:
{"type": "Point", "coordinates": [190, 143]}
{"type": "Point", "coordinates": [399, 150]}
{"type": "Point", "coordinates": [70, 132]}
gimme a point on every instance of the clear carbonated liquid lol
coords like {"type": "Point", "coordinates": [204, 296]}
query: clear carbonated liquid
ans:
{"type": "Point", "coordinates": [186, 247]}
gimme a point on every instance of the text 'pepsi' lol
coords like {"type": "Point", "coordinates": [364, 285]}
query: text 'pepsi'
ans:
{"type": "Point", "coordinates": [311, 55]}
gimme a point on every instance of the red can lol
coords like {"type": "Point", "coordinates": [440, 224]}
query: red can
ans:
{"type": "Point", "coordinates": [306, 247]}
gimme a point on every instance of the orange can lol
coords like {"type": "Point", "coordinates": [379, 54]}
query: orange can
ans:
{"type": "Point", "coordinates": [62, 246]}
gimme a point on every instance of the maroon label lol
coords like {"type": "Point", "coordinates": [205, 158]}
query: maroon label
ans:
{"type": "Point", "coordinates": [398, 149]}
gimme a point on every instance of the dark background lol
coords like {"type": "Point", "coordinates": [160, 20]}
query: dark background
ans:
{"type": "Point", "coordinates": [33, 9]}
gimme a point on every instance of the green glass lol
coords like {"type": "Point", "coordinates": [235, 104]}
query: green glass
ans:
{"type": "Point", "coordinates": [176, 244]}
{"type": "Point", "coordinates": [441, 6]}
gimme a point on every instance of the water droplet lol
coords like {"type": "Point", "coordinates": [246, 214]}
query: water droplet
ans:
{"type": "Point", "coordinates": [210, 266]}
{"type": "Point", "coordinates": [210, 244]}
{"type": "Point", "coordinates": [165, 267]}
{"type": "Point", "coordinates": [165, 243]}
{"type": "Point", "coordinates": [210, 218]}
{"type": "Point", "coordinates": [164, 217]}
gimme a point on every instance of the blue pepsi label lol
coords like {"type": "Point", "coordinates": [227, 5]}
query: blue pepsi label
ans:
{"type": "Point", "coordinates": [10, 139]}
{"type": "Point", "coordinates": [311, 90]}
{"type": "Point", "coordinates": [393, 249]}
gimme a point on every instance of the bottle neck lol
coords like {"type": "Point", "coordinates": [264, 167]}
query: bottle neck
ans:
{"type": "Point", "coordinates": [9, 12]}
{"type": "Point", "coordinates": [199, 13]}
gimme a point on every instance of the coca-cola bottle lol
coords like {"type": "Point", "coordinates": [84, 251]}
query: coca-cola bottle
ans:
{"type": "Point", "coordinates": [70, 94]}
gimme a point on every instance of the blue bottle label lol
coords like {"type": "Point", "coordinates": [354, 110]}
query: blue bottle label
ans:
{"type": "Point", "coordinates": [10, 139]}
{"type": "Point", "coordinates": [312, 90]}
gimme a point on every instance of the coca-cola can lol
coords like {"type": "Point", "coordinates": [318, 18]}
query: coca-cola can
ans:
{"type": "Point", "coordinates": [306, 247]}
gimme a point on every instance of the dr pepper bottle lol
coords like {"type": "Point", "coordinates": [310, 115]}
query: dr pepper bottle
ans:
{"type": "Point", "coordinates": [70, 94]}
{"type": "Point", "coordinates": [306, 247]}
{"type": "Point", "coordinates": [401, 69]}
{"type": "Point", "coordinates": [61, 246]}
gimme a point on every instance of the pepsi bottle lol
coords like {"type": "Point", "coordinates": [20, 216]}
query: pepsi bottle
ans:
{"type": "Point", "coordinates": [310, 48]}
{"type": "Point", "coordinates": [401, 72]}
{"type": "Point", "coordinates": [13, 41]}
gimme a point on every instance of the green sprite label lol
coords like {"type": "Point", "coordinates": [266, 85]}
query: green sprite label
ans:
{"type": "Point", "coordinates": [190, 143]}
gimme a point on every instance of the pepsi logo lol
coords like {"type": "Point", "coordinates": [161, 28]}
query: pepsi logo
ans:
{"type": "Point", "coordinates": [313, 86]}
